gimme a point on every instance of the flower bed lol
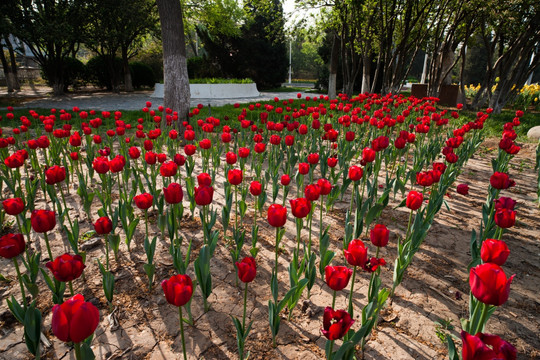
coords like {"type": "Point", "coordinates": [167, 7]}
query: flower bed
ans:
{"type": "Point", "coordinates": [302, 228]}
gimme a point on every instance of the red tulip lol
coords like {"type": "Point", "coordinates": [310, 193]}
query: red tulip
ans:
{"type": "Point", "coordinates": [204, 195]}
{"type": "Point", "coordinates": [103, 225]}
{"type": "Point", "coordinates": [303, 168]}
{"type": "Point", "coordinates": [173, 193]}
{"type": "Point", "coordinates": [134, 152]}
{"type": "Point", "coordinates": [168, 169]}
{"type": "Point", "coordinates": [500, 180]}
{"type": "Point", "coordinates": [277, 215]}
{"type": "Point", "coordinates": [11, 245]}
{"type": "Point", "coordinates": [144, 201]}
{"type": "Point", "coordinates": [243, 152]}
{"type": "Point", "coordinates": [489, 284]}
{"type": "Point", "coordinates": [235, 177]}
{"type": "Point", "coordinates": [424, 179]}
{"type": "Point", "coordinates": [255, 188]}
{"type": "Point", "coordinates": [150, 157]}
{"type": "Point", "coordinates": [356, 253]}
{"type": "Point", "coordinates": [66, 267]}
{"type": "Point", "coordinates": [336, 323]}
{"type": "Point", "coordinates": [247, 269]}
{"type": "Point", "coordinates": [13, 206]}
{"type": "Point", "coordinates": [355, 173]}
{"type": "Point", "coordinates": [43, 220]}
{"type": "Point", "coordinates": [373, 264]}
{"type": "Point", "coordinates": [337, 277]}
{"type": "Point", "coordinates": [368, 155]}
{"type": "Point", "coordinates": [313, 158]}
{"type": "Point", "coordinates": [178, 289]}
{"type": "Point", "coordinates": [204, 179]}
{"type": "Point", "coordinates": [414, 200]}
{"type": "Point", "coordinates": [463, 189]}
{"type": "Point", "coordinates": [312, 192]}
{"type": "Point", "coordinates": [494, 251]}
{"type": "Point", "coordinates": [101, 165]}
{"type": "Point", "coordinates": [117, 164]}
{"type": "Point", "coordinates": [285, 180]}
{"type": "Point", "coordinates": [325, 186]}
{"type": "Point", "coordinates": [205, 144]}
{"type": "Point", "coordinates": [300, 207]}
{"type": "Point", "coordinates": [504, 203]}
{"type": "Point", "coordinates": [231, 158]}
{"type": "Point", "coordinates": [14, 161]}
{"type": "Point", "coordinates": [379, 235]}
{"type": "Point", "coordinates": [55, 174]}
{"type": "Point", "coordinates": [190, 149]}
{"type": "Point", "coordinates": [332, 162]}
{"type": "Point", "coordinates": [505, 218]}
{"type": "Point", "coordinates": [486, 347]}
{"type": "Point", "coordinates": [75, 319]}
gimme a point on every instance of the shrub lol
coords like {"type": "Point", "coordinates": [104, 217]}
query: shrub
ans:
{"type": "Point", "coordinates": [141, 75]}
{"type": "Point", "coordinates": [75, 73]}
{"type": "Point", "coordinates": [104, 72]}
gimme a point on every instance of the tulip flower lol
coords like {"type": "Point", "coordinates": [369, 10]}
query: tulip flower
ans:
{"type": "Point", "coordinates": [485, 346]}
{"type": "Point", "coordinates": [67, 268]}
{"type": "Point", "coordinates": [337, 278]}
{"type": "Point", "coordinates": [300, 207]}
{"type": "Point", "coordinates": [277, 215]}
{"type": "Point", "coordinates": [247, 270]}
{"type": "Point", "coordinates": [505, 218]}
{"type": "Point", "coordinates": [173, 193]}
{"type": "Point", "coordinates": [355, 173]}
{"type": "Point", "coordinates": [463, 189]}
{"type": "Point", "coordinates": [494, 251]}
{"type": "Point", "coordinates": [55, 174]}
{"type": "Point", "coordinates": [74, 321]}
{"type": "Point", "coordinates": [414, 200]}
{"type": "Point", "coordinates": [178, 291]}
{"type": "Point", "coordinates": [13, 206]}
{"type": "Point", "coordinates": [11, 246]}
{"type": "Point", "coordinates": [489, 284]}
{"type": "Point", "coordinates": [379, 235]}
{"type": "Point", "coordinates": [336, 323]}
{"type": "Point", "coordinates": [501, 181]}
{"type": "Point", "coordinates": [43, 221]}
{"type": "Point", "coordinates": [103, 225]}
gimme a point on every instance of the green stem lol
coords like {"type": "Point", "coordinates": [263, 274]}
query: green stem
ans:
{"type": "Point", "coordinates": [245, 302]}
{"type": "Point", "coordinates": [331, 349]}
{"type": "Point", "coordinates": [78, 354]}
{"type": "Point", "coordinates": [48, 246]}
{"type": "Point", "coordinates": [182, 333]}
{"type": "Point", "coordinates": [350, 307]}
{"type": "Point", "coordinates": [483, 318]}
{"type": "Point", "coordinates": [71, 288]}
{"type": "Point", "coordinates": [409, 225]}
{"type": "Point", "coordinates": [334, 299]}
{"type": "Point", "coordinates": [276, 251]}
{"type": "Point", "coordinates": [16, 263]}
{"type": "Point", "coordinates": [235, 208]}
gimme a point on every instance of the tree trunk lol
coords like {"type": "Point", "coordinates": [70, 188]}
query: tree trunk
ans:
{"type": "Point", "coordinates": [7, 71]}
{"type": "Point", "coordinates": [366, 72]}
{"type": "Point", "coordinates": [175, 75]}
{"type": "Point", "coordinates": [334, 61]}
{"type": "Point", "coordinates": [128, 83]}
{"type": "Point", "coordinates": [16, 85]}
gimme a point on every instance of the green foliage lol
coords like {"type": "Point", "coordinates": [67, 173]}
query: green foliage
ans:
{"type": "Point", "coordinates": [74, 73]}
{"type": "Point", "coordinates": [220, 81]}
{"type": "Point", "coordinates": [101, 71]}
{"type": "Point", "coordinates": [142, 75]}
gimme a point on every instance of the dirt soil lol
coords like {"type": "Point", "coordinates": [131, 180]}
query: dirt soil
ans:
{"type": "Point", "coordinates": [144, 326]}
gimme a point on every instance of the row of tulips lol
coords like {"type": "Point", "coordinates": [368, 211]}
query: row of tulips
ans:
{"type": "Point", "coordinates": [489, 285]}
{"type": "Point", "coordinates": [362, 134]}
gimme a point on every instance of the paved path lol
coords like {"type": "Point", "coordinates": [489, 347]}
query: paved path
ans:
{"type": "Point", "coordinates": [137, 100]}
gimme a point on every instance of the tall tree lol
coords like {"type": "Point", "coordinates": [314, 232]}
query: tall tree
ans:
{"type": "Point", "coordinates": [51, 29]}
{"type": "Point", "coordinates": [511, 35]}
{"type": "Point", "coordinates": [176, 81]}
